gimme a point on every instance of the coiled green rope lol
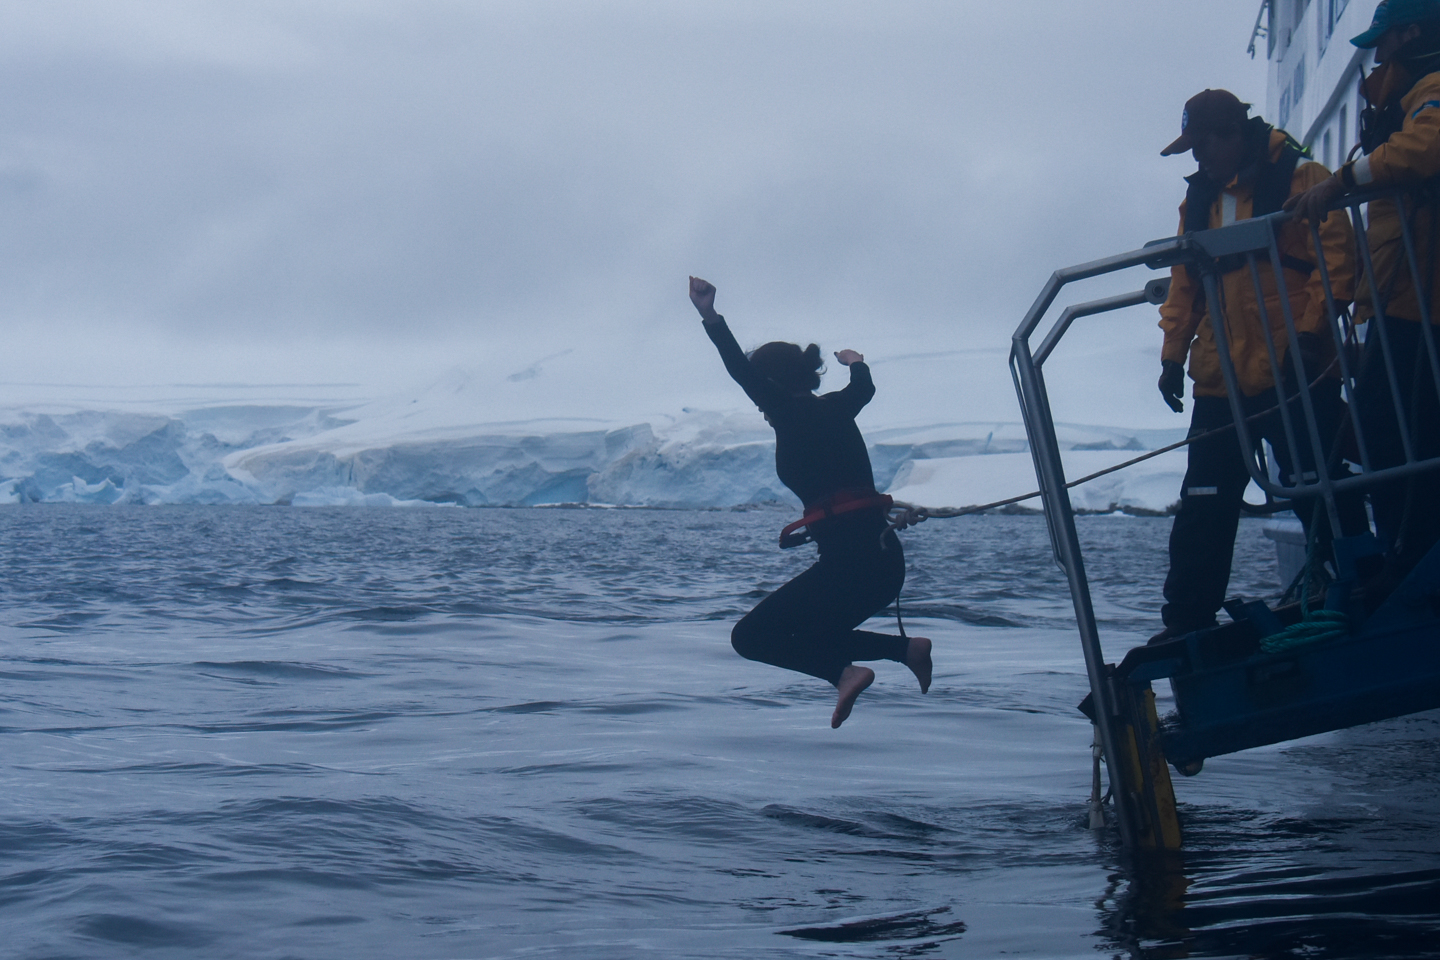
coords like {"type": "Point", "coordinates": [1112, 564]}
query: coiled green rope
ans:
{"type": "Point", "coordinates": [1314, 625]}
{"type": "Point", "coordinates": [1318, 625]}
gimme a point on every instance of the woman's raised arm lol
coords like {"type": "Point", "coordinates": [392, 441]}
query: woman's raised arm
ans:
{"type": "Point", "coordinates": [702, 294]}
{"type": "Point", "coordinates": [761, 390]}
{"type": "Point", "coordinates": [861, 388]}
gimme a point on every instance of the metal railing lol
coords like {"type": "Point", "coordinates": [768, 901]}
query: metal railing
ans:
{"type": "Point", "coordinates": [1255, 238]}
{"type": "Point", "coordinates": [1255, 244]}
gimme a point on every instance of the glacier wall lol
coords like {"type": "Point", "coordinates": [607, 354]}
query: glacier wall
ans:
{"type": "Point", "coordinates": [412, 454]}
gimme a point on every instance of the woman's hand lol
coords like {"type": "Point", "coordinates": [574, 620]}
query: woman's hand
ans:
{"type": "Point", "coordinates": [702, 294]}
{"type": "Point", "coordinates": [847, 357]}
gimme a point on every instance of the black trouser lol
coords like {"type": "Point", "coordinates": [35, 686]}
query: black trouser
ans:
{"type": "Point", "coordinates": [1407, 511]}
{"type": "Point", "coordinates": [1202, 540]}
{"type": "Point", "coordinates": [809, 624]}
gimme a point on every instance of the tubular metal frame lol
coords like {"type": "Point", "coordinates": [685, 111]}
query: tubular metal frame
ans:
{"type": "Point", "coordinates": [1253, 240]}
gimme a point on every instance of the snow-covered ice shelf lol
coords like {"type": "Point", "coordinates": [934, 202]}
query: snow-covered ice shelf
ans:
{"type": "Point", "coordinates": [434, 447]}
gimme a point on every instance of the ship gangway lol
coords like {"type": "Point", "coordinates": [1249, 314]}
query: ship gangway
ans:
{"type": "Point", "coordinates": [1234, 686]}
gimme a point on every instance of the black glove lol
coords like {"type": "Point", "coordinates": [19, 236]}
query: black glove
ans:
{"type": "Point", "coordinates": [1172, 384]}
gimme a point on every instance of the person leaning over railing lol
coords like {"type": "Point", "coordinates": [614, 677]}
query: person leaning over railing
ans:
{"type": "Point", "coordinates": [1247, 169]}
{"type": "Point", "coordinates": [1401, 144]}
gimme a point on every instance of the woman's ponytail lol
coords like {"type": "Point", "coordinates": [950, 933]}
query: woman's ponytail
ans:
{"type": "Point", "coordinates": [788, 365]}
{"type": "Point", "coordinates": [812, 367]}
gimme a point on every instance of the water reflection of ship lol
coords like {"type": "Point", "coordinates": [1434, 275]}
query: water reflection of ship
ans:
{"type": "Point", "coordinates": [1268, 885]}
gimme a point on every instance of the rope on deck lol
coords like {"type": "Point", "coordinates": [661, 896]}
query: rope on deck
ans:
{"type": "Point", "coordinates": [1315, 625]}
{"type": "Point", "coordinates": [1318, 625]}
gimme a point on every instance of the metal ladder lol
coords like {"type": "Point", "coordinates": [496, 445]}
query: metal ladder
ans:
{"type": "Point", "coordinates": [1230, 693]}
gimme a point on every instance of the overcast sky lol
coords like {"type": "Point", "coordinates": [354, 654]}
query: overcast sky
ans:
{"type": "Point", "coordinates": [373, 193]}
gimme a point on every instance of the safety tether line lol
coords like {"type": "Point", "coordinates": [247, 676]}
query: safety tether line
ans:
{"type": "Point", "coordinates": [904, 514]}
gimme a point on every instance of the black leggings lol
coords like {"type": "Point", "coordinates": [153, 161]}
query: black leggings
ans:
{"type": "Point", "coordinates": [809, 624]}
{"type": "Point", "coordinates": [1202, 539]}
{"type": "Point", "coordinates": [1407, 511]}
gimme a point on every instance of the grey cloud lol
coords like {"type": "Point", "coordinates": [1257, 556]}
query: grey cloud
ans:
{"type": "Point", "coordinates": [438, 174]}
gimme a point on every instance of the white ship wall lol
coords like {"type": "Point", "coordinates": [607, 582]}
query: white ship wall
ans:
{"type": "Point", "coordinates": [1314, 71]}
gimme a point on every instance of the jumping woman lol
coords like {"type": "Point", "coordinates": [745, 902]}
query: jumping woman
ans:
{"type": "Point", "coordinates": [810, 623]}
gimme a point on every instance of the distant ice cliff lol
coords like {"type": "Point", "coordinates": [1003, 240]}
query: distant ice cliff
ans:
{"type": "Point", "coordinates": [420, 450]}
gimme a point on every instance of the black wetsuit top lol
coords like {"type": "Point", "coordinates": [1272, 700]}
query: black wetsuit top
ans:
{"type": "Point", "coordinates": [810, 624]}
{"type": "Point", "coordinates": [818, 448]}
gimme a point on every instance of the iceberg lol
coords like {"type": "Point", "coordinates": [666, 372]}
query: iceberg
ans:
{"type": "Point", "coordinates": [437, 446]}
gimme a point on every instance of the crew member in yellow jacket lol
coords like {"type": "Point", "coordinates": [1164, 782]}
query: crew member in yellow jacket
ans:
{"type": "Point", "coordinates": [1247, 169]}
{"type": "Point", "coordinates": [1400, 138]}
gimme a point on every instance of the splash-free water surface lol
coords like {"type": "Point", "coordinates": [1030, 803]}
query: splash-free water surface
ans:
{"type": "Point", "coordinates": [271, 732]}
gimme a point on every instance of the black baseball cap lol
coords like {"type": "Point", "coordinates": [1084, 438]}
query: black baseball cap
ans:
{"type": "Point", "coordinates": [1207, 110]}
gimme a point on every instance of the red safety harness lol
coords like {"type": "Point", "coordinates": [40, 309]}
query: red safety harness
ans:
{"type": "Point", "coordinates": [843, 501]}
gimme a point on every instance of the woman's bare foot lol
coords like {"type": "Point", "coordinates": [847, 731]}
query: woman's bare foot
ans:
{"type": "Point", "coordinates": [917, 658]}
{"type": "Point", "coordinates": [852, 683]}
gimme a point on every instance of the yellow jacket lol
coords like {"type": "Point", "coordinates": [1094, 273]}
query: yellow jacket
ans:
{"type": "Point", "coordinates": [1185, 318]}
{"type": "Point", "coordinates": [1410, 156]}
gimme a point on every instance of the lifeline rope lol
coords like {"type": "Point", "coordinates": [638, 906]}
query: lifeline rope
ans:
{"type": "Point", "coordinates": [903, 515]}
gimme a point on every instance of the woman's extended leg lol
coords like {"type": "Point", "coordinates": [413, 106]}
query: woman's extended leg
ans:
{"type": "Point", "coordinates": [808, 625]}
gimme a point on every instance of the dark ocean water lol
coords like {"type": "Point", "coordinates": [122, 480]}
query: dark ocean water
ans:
{"type": "Point", "coordinates": [270, 732]}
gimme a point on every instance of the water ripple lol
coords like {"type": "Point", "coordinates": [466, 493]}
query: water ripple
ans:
{"type": "Point", "coordinates": [509, 733]}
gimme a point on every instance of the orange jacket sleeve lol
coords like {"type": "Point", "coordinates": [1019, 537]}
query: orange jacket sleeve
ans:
{"type": "Point", "coordinates": [1412, 154]}
{"type": "Point", "coordinates": [1179, 314]}
{"type": "Point", "coordinates": [1337, 239]}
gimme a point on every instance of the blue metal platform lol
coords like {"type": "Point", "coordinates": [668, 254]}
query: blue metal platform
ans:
{"type": "Point", "coordinates": [1230, 695]}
